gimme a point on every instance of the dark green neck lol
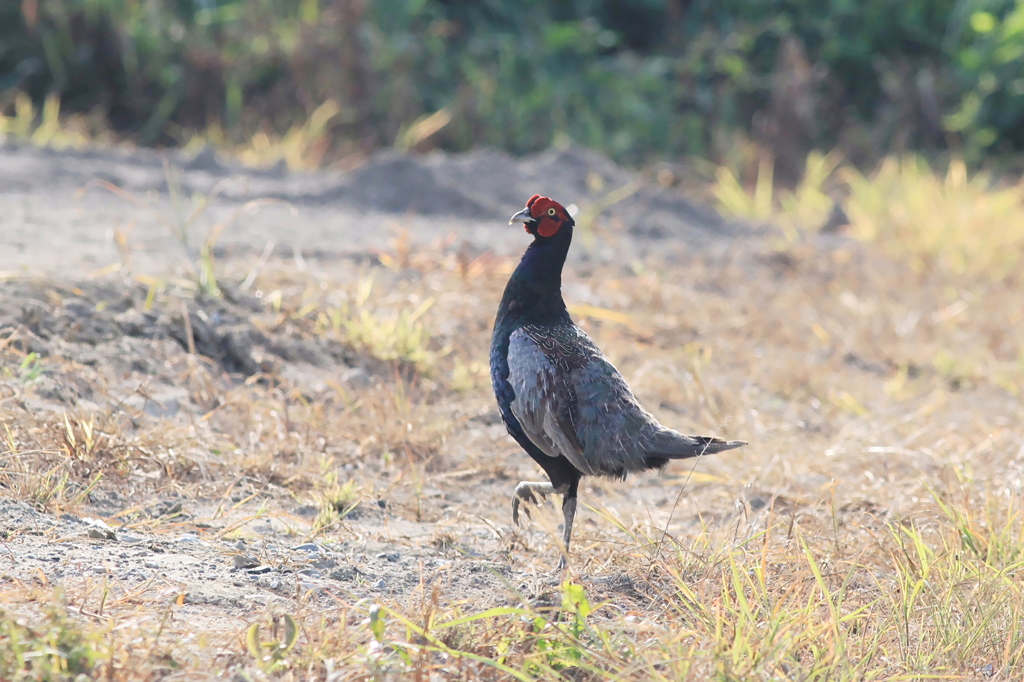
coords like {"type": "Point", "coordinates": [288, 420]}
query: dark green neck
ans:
{"type": "Point", "coordinates": [534, 292]}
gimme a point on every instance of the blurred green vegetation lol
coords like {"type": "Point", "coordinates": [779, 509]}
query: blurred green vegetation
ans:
{"type": "Point", "coordinates": [639, 79]}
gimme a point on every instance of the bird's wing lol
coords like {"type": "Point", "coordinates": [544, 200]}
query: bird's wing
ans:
{"type": "Point", "coordinates": [613, 429]}
{"type": "Point", "coordinates": [571, 401]}
{"type": "Point", "coordinates": [543, 399]}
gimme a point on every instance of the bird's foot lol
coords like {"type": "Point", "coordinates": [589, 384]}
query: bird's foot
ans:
{"type": "Point", "coordinates": [527, 491]}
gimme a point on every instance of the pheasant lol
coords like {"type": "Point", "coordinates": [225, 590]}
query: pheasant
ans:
{"type": "Point", "coordinates": [559, 396]}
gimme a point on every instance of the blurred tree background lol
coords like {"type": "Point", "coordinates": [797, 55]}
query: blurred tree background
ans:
{"type": "Point", "coordinates": [642, 80]}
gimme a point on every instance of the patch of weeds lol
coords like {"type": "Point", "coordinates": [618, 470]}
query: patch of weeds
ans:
{"type": "Point", "coordinates": [957, 223]}
{"type": "Point", "coordinates": [301, 148]}
{"type": "Point", "coordinates": [31, 368]}
{"type": "Point", "coordinates": [958, 597]}
{"type": "Point", "coordinates": [993, 535]}
{"type": "Point", "coordinates": [561, 643]}
{"type": "Point", "coordinates": [759, 625]}
{"type": "Point", "coordinates": [54, 464]}
{"type": "Point", "coordinates": [50, 647]}
{"type": "Point", "coordinates": [272, 655]}
{"type": "Point", "coordinates": [81, 437]}
{"type": "Point", "coordinates": [336, 500]}
{"type": "Point", "coordinates": [518, 642]}
{"type": "Point", "coordinates": [807, 205]}
{"type": "Point", "coordinates": [735, 199]}
{"type": "Point", "coordinates": [954, 222]}
{"type": "Point", "coordinates": [46, 487]}
{"type": "Point", "coordinates": [47, 128]}
{"type": "Point", "coordinates": [396, 335]}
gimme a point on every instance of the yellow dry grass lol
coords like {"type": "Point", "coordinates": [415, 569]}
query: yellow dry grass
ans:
{"type": "Point", "coordinates": [955, 221]}
{"type": "Point", "coordinates": [872, 529]}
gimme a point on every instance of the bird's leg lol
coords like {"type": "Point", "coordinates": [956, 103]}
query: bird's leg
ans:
{"type": "Point", "coordinates": [569, 512]}
{"type": "Point", "coordinates": [524, 492]}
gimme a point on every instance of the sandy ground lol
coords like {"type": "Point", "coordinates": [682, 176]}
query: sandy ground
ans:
{"type": "Point", "coordinates": [164, 456]}
{"type": "Point", "coordinates": [63, 295]}
{"type": "Point", "coordinates": [56, 218]}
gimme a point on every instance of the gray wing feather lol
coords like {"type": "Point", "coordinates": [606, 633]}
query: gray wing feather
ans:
{"type": "Point", "coordinates": [542, 402]}
{"type": "Point", "coordinates": [614, 429]}
{"type": "Point", "coordinates": [605, 436]}
{"type": "Point", "coordinates": [571, 401]}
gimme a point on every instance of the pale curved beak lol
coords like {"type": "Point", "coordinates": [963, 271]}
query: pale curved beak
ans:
{"type": "Point", "coordinates": [521, 217]}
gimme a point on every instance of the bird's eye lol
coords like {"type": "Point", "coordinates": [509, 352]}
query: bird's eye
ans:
{"type": "Point", "coordinates": [552, 212]}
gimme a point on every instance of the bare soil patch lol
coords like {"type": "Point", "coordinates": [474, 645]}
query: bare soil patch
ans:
{"type": "Point", "coordinates": [321, 437]}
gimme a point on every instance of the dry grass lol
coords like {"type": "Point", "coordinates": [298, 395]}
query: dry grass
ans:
{"type": "Point", "coordinates": [303, 147]}
{"type": "Point", "coordinates": [873, 529]}
{"type": "Point", "coordinates": [956, 222]}
{"type": "Point", "coordinates": [47, 128]}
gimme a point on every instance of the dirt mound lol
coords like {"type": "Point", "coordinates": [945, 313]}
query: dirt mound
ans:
{"type": "Point", "coordinates": [484, 185]}
{"type": "Point", "coordinates": [104, 324]}
{"type": "Point", "coordinates": [489, 184]}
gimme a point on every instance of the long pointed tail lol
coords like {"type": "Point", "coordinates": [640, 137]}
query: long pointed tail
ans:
{"type": "Point", "coordinates": [674, 445]}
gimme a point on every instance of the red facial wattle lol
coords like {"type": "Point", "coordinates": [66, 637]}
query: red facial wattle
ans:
{"type": "Point", "coordinates": [546, 214]}
{"type": "Point", "coordinates": [548, 227]}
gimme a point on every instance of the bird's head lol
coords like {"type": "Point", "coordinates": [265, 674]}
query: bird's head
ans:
{"type": "Point", "coordinates": [543, 217]}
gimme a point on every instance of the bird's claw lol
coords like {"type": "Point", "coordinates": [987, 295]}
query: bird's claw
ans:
{"type": "Point", "coordinates": [516, 501]}
{"type": "Point", "coordinates": [515, 510]}
{"type": "Point", "coordinates": [524, 493]}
